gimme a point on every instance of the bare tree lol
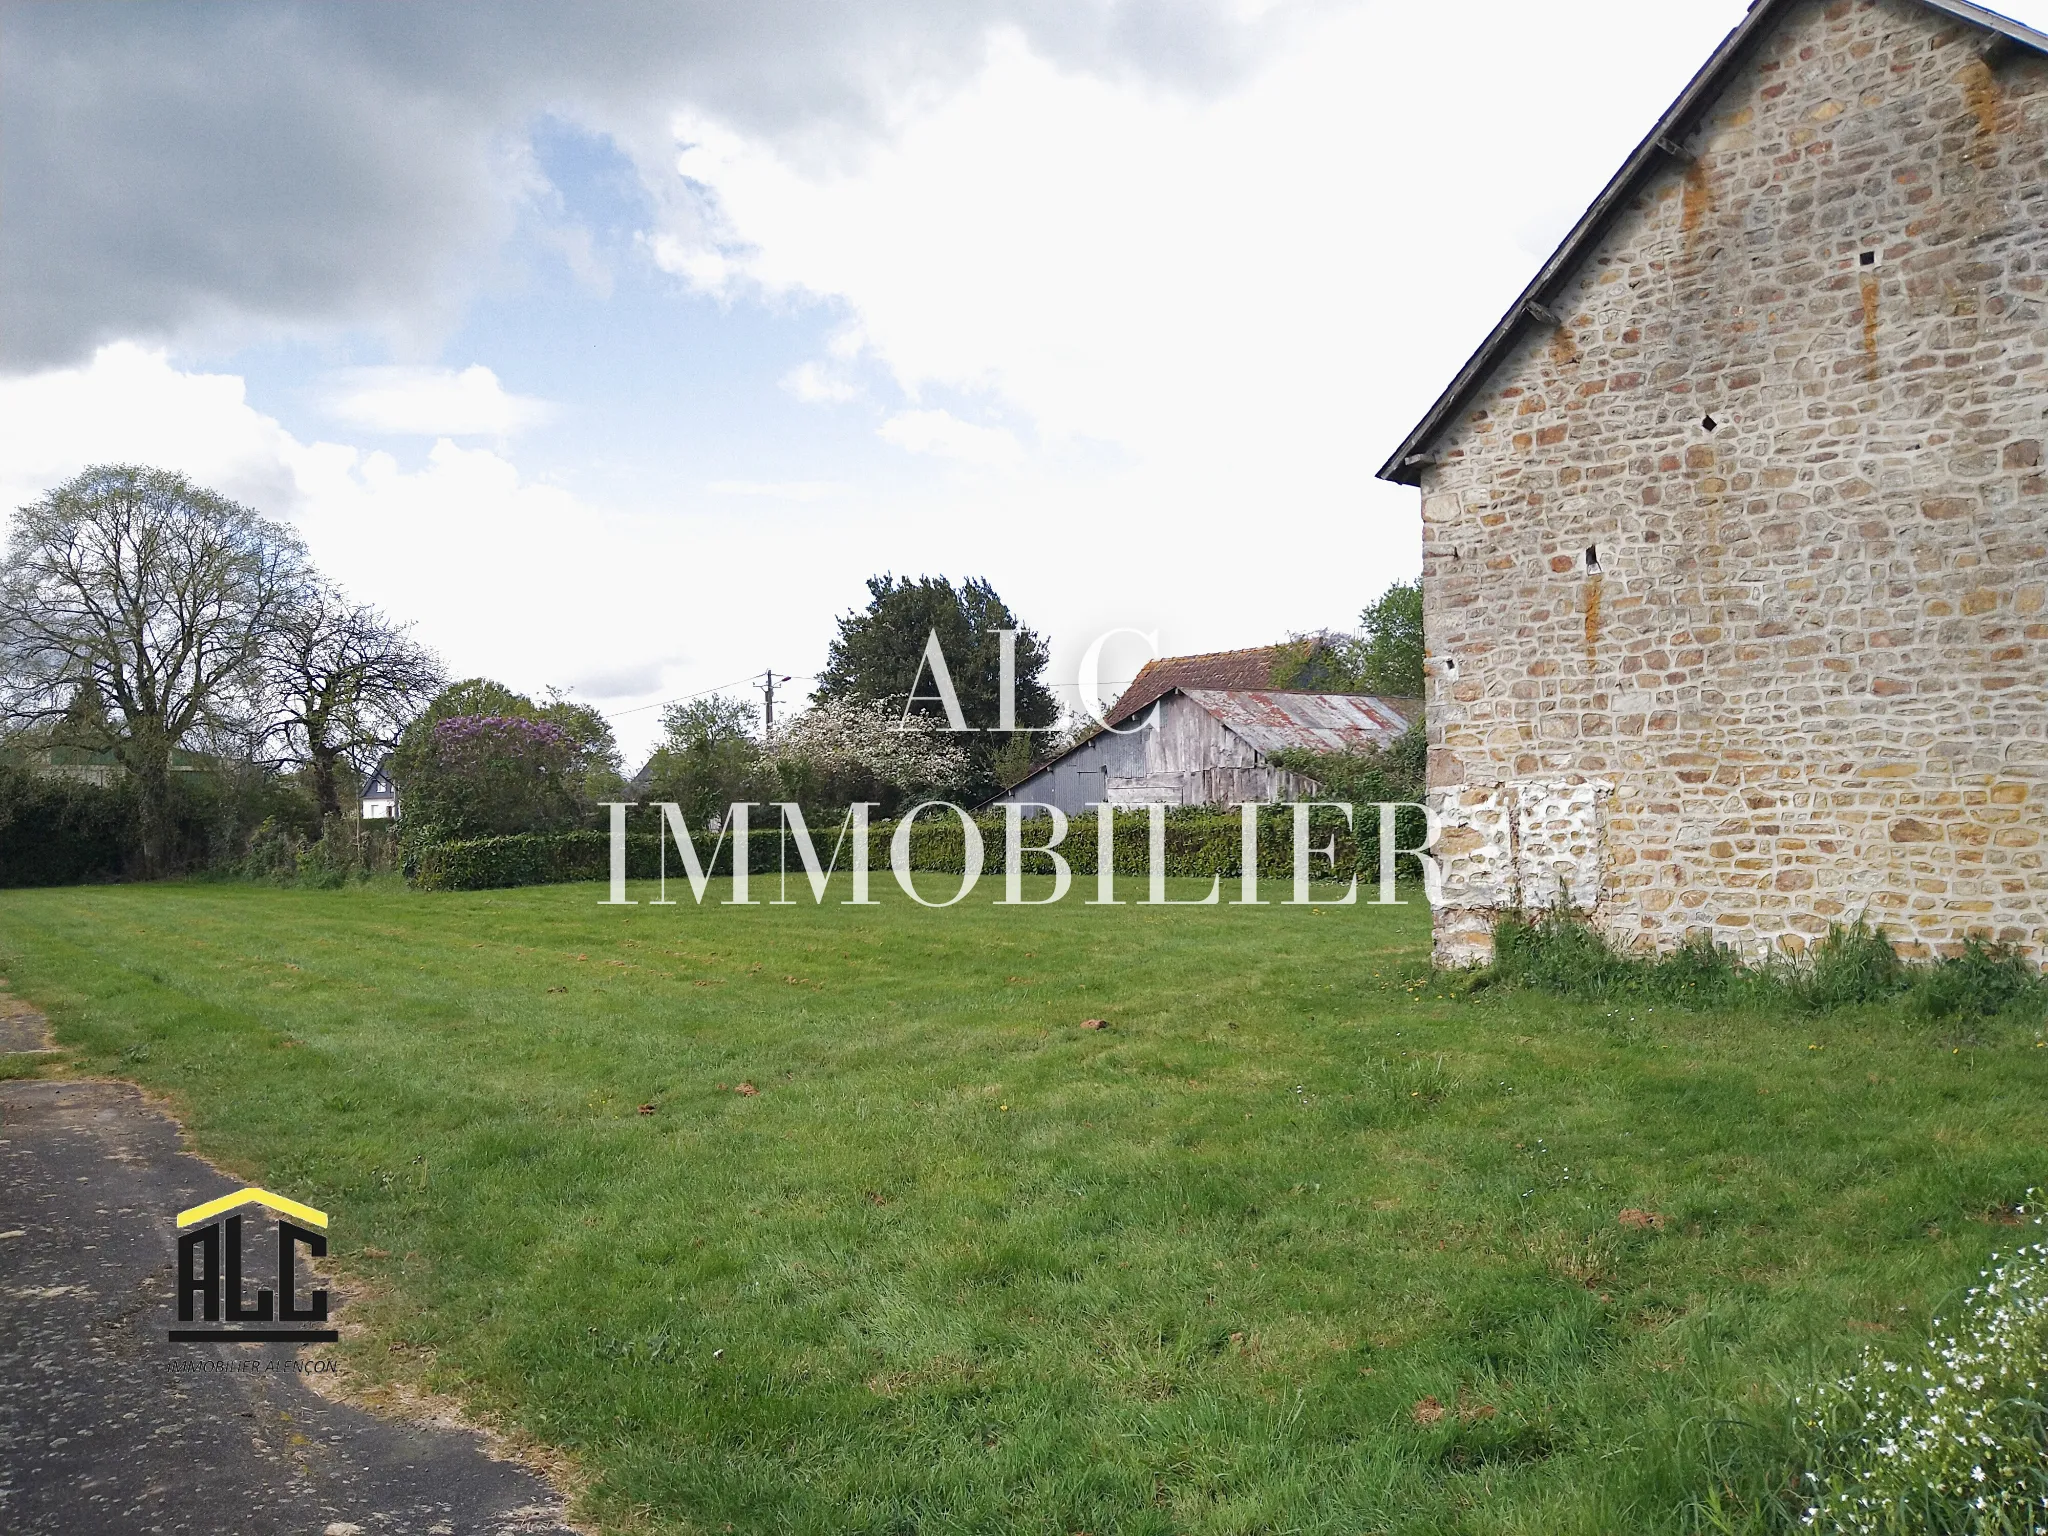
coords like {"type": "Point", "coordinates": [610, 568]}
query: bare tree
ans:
{"type": "Point", "coordinates": [150, 597]}
{"type": "Point", "coordinates": [344, 681]}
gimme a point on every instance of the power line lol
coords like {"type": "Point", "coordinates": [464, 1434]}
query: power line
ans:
{"type": "Point", "coordinates": [685, 698]}
{"type": "Point", "coordinates": [753, 678]}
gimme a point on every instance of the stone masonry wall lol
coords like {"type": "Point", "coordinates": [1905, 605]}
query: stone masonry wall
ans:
{"type": "Point", "coordinates": [1735, 583]}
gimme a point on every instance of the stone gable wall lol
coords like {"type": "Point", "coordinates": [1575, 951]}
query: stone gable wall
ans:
{"type": "Point", "coordinates": [1757, 677]}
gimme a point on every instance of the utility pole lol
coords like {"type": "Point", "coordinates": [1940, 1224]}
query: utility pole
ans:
{"type": "Point", "coordinates": [768, 682]}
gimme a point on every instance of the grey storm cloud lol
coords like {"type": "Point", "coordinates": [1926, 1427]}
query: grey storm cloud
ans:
{"type": "Point", "coordinates": [171, 168]}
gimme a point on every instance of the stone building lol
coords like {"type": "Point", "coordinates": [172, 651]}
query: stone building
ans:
{"type": "Point", "coordinates": [1735, 530]}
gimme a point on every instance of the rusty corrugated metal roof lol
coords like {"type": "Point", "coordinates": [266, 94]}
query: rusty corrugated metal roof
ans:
{"type": "Point", "coordinates": [1274, 721]}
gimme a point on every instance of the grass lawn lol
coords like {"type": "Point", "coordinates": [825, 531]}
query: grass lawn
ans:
{"type": "Point", "coordinates": [1297, 1245]}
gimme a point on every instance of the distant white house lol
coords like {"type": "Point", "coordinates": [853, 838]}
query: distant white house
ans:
{"type": "Point", "coordinates": [380, 795]}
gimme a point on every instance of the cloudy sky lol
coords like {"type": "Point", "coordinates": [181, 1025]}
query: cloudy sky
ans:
{"type": "Point", "coordinates": [616, 343]}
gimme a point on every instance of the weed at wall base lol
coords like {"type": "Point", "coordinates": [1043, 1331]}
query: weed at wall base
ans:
{"type": "Point", "coordinates": [1853, 966]}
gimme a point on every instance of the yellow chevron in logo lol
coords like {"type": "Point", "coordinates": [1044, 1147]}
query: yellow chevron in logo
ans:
{"type": "Point", "coordinates": [278, 1203]}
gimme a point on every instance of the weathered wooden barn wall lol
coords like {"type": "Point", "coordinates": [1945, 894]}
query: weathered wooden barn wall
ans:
{"type": "Point", "coordinates": [1735, 580]}
{"type": "Point", "coordinates": [1195, 759]}
{"type": "Point", "coordinates": [1191, 758]}
{"type": "Point", "coordinates": [1082, 777]}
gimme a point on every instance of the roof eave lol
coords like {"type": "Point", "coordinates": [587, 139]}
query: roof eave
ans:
{"type": "Point", "coordinates": [1109, 728]}
{"type": "Point", "coordinates": [1413, 456]}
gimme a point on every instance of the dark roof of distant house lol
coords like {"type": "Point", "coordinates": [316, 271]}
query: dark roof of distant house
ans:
{"type": "Point", "coordinates": [1663, 147]}
{"type": "Point", "coordinates": [1230, 670]}
{"type": "Point", "coordinates": [379, 786]}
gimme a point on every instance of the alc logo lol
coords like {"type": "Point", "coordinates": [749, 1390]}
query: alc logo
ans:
{"type": "Point", "coordinates": [210, 1267]}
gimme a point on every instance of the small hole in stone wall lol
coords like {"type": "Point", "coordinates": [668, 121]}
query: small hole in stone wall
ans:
{"type": "Point", "coordinates": [1710, 424]}
{"type": "Point", "coordinates": [1592, 557]}
{"type": "Point", "coordinates": [1868, 258]}
{"type": "Point", "coordinates": [1450, 667]}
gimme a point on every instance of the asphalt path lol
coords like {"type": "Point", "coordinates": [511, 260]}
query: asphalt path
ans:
{"type": "Point", "coordinates": [106, 1427]}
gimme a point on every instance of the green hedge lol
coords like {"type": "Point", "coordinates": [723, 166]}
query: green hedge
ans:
{"type": "Point", "coordinates": [526, 858]}
{"type": "Point", "coordinates": [60, 831]}
{"type": "Point", "coordinates": [1199, 843]}
{"type": "Point", "coordinates": [56, 830]}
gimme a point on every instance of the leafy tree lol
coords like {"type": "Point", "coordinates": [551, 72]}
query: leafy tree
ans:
{"type": "Point", "coordinates": [707, 759]}
{"type": "Point", "coordinates": [597, 748]}
{"type": "Point", "coordinates": [345, 681]}
{"type": "Point", "coordinates": [502, 776]}
{"type": "Point", "coordinates": [476, 696]}
{"type": "Point", "coordinates": [484, 775]}
{"type": "Point", "coordinates": [599, 772]}
{"type": "Point", "coordinates": [134, 597]}
{"type": "Point", "coordinates": [1391, 647]}
{"type": "Point", "coordinates": [879, 659]}
{"type": "Point", "coordinates": [1384, 658]}
{"type": "Point", "coordinates": [1012, 765]}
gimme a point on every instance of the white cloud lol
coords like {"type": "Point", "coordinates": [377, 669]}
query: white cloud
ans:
{"type": "Point", "coordinates": [128, 405]}
{"type": "Point", "coordinates": [778, 490]}
{"type": "Point", "coordinates": [815, 384]}
{"type": "Point", "coordinates": [505, 576]}
{"type": "Point", "coordinates": [179, 171]}
{"type": "Point", "coordinates": [947, 437]}
{"type": "Point", "coordinates": [630, 680]}
{"type": "Point", "coordinates": [529, 582]}
{"type": "Point", "coordinates": [431, 402]}
{"type": "Point", "coordinates": [1247, 297]}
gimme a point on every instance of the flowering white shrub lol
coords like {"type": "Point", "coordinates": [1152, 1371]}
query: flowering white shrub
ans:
{"type": "Point", "coordinates": [844, 735]}
{"type": "Point", "coordinates": [1956, 1445]}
